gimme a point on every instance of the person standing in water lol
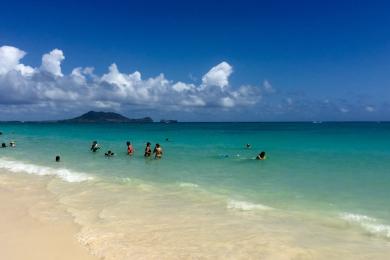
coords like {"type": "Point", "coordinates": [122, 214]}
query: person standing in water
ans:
{"type": "Point", "coordinates": [130, 149]}
{"type": "Point", "coordinates": [148, 150]}
{"type": "Point", "coordinates": [158, 151]}
{"type": "Point", "coordinates": [95, 146]}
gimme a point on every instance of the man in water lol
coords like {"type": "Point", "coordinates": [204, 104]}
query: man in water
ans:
{"type": "Point", "coordinates": [148, 150]}
{"type": "Point", "coordinates": [12, 144]}
{"type": "Point", "coordinates": [261, 156]}
{"type": "Point", "coordinates": [158, 151]}
{"type": "Point", "coordinates": [95, 146]}
{"type": "Point", "coordinates": [130, 149]}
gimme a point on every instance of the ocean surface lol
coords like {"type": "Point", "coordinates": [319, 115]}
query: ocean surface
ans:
{"type": "Point", "coordinates": [323, 191]}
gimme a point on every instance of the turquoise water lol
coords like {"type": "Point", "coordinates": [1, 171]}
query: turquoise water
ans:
{"type": "Point", "coordinates": [335, 170]}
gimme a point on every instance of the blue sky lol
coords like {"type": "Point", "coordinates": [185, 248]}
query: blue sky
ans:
{"type": "Point", "coordinates": [272, 60]}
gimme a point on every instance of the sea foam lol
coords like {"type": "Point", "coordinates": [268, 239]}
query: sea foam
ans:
{"type": "Point", "coordinates": [188, 185]}
{"type": "Point", "coordinates": [246, 206]}
{"type": "Point", "coordinates": [369, 224]}
{"type": "Point", "coordinates": [64, 174]}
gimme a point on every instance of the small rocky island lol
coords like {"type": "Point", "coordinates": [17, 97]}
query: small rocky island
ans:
{"type": "Point", "coordinates": [105, 117]}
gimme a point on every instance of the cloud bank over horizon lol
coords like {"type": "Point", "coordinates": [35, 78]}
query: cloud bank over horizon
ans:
{"type": "Point", "coordinates": [45, 90]}
{"type": "Point", "coordinates": [46, 87]}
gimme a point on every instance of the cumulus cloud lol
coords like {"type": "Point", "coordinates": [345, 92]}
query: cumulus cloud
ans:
{"type": "Point", "coordinates": [9, 60]}
{"type": "Point", "coordinates": [218, 75]}
{"type": "Point", "coordinates": [370, 108]}
{"type": "Point", "coordinates": [47, 86]}
{"type": "Point", "coordinates": [51, 62]}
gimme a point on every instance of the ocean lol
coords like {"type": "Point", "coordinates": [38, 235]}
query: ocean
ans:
{"type": "Point", "coordinates": [322, 192]}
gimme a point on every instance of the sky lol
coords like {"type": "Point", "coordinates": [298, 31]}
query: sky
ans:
{"type": "Point", "coordinates": [196, 60]}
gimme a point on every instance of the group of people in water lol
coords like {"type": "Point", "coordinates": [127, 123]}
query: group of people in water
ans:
{"type": "Point", "coordinates": [11, 144]}
{"type": "Point", "coordinates": [157, 151]}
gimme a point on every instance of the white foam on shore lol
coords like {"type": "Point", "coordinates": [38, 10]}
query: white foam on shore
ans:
{"type": "Point", "coordinates": [369, 224]}
{"type": "Point", "coordinates": [64, 174]}
{"type": "Point", "coordinates": [246, 206]}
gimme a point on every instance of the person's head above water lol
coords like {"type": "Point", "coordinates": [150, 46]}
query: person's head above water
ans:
{"type": "Point", "coordinates": [261, 156]}
{"type": "Point", "coordinates": [109, 153]}
{"type": "Point", "coordinates": [148, 144]}
{"type": "Point", "coordinates": [128, 143]}
{"type": "Point", "coordinates": [157, 145]}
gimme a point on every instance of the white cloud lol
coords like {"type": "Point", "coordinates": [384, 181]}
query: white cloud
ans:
{"type": "Point", "coordinates": [227, 102]}
{"type": "Point", "coordinates": [81, 89]}
{"type": "Point", "coordinates": [51, 62]}
{"type": "Point", "coordinates": [9, 60]}
{"type": "Point", "coordinates": [370, 108]}
{"type": "Point", "coordinates": [218, 75]}
{"type": "Point", "coordinates": [180, 87]}
{"type": "Point", "coordinates": [267, 87]}
{"type": "Point", "coordinates": [344, 110]}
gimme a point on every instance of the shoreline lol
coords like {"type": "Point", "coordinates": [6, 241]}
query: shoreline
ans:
{"type": "Point", "coordinates": [45, 217]}
{"type": "Point", "coordinates": [28, 229]}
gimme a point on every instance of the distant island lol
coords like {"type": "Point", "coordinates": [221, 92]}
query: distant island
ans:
{"type": "Point", "coordinates": [105, 117]}
{"type": "Point", "coordinates": [99, 117]}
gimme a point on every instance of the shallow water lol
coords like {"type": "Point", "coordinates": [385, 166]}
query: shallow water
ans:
{"type": "Point", "coordinates": [208, 197]}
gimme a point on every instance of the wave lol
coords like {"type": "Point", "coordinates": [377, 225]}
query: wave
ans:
{"type": "Point", "coordinates": [64, 174]}
{"type": "Point", "coordinates": [188, 185]}
{"type": "Point", "coordinates": [246, 206]}
{"type": "Point", "coordinates": [369, 224]}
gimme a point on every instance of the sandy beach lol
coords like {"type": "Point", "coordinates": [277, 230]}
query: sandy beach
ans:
{"type": "Point", "coordinates": [28, 230]}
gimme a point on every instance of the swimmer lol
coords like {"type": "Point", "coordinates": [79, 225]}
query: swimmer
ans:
{"type": "Point", "coordinates": [58, 158]}
{"type": "Point", "coordinates": [95, 146]}
{"type": "Point", "coordinates": [248, 146]}
{"type": "Point", "coordinates": [109, 153]}
{"type": "Point", "coordinates": [261, 156]}
{"type": "Point", "coordinates": [12, 144]}
{"type": "Point", "coordinates": [3, 145]}
{"type": "Point", "coordinates": [158, 151]}
{"type": "Point", "coordinates": [148, 150]}
{"type": "Point", "coordinates": [130, 149]}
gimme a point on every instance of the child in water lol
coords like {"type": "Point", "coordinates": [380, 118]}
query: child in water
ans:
{"type": "Point", "coordinates": [148, 150]}
{"type": "Point", "coordinates": [130, 149]}
{"type": "Point", "coordinates": [261, 156]}
{"type": "Point", "coordinates": [158, 151]}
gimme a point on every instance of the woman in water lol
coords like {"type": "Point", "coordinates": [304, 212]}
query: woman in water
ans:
{"type": "Point", "coordinates": [261, 156]}
{"type": "Point", "coordinates": [130, 149]}
{"type": "Point", "coordinates": [158, 151]}
{"type": "Point", "coordinates": [148, 150]}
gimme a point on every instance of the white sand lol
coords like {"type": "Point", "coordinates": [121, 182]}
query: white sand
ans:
{"type": "Point", "coordinates": [25, 236]}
